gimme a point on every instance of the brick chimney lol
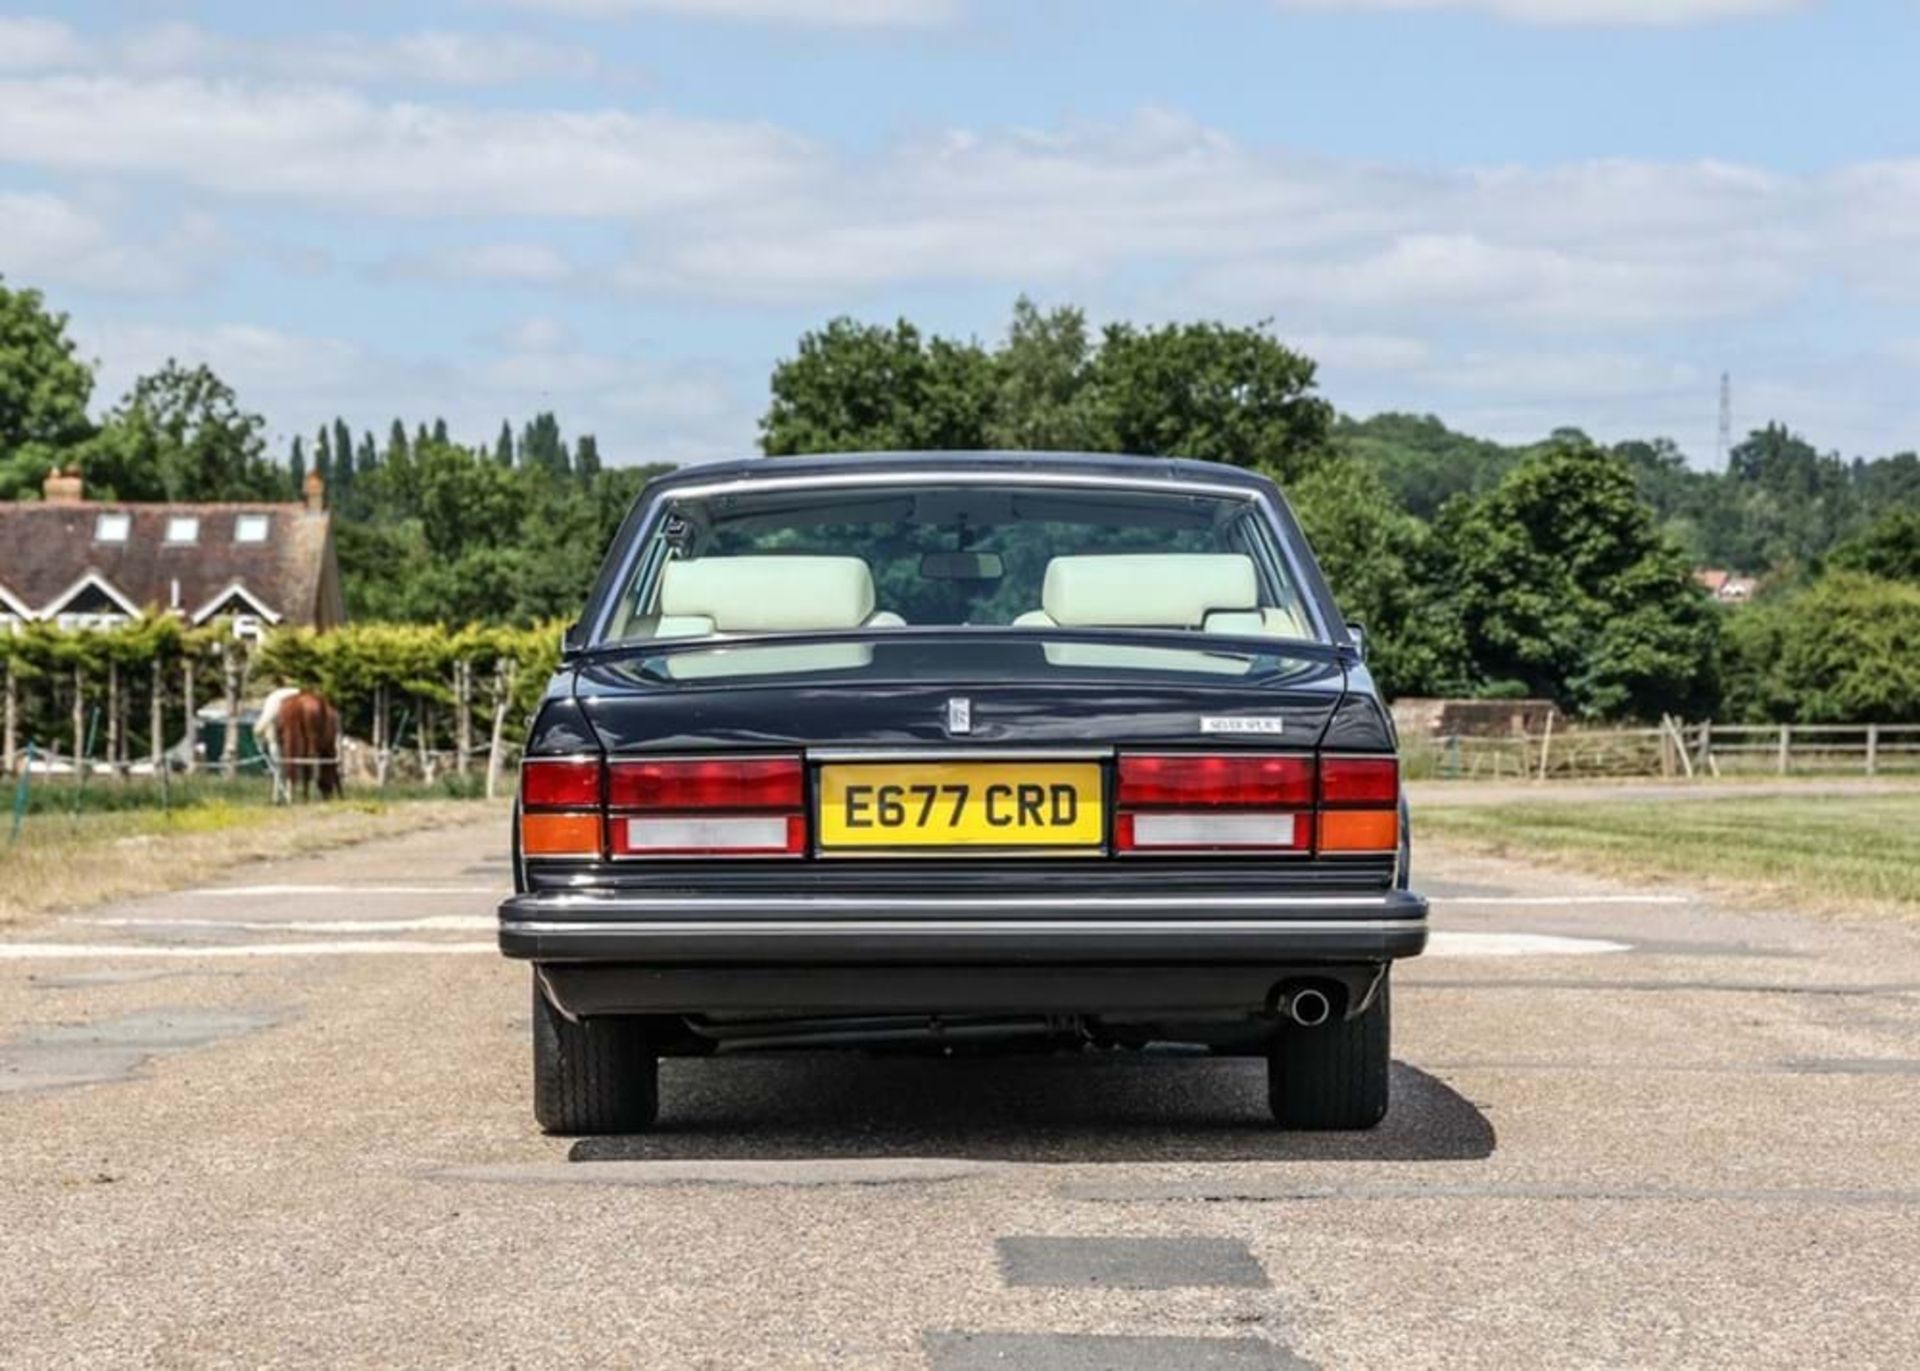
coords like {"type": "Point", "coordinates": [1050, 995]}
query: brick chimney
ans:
{"type": "Point", "coordinates": [63, 488]}
{"type": "Point", "coordinates": [315, 492]}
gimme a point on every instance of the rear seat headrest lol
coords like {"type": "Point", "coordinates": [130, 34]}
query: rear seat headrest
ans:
{"type": "Point", "coordinates": [769, 594]}
{"type": "Point", "coordinates": [1147, 590]}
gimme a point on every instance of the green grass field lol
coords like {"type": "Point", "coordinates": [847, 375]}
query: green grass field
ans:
{"type": "Point", "coordinates": [1829, 852]}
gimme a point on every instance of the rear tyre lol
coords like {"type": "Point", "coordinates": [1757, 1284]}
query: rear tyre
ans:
{"type": "Point", "coordinates": [596, 1075]}
{"type": "Point", "coordinates": [1333, 1076]}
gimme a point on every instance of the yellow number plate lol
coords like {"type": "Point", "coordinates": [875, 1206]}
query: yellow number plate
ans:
{"type": "Point", "coordinates": [962, 804]}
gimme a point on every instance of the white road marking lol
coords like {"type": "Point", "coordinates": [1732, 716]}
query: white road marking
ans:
{"type": "Point", "coordinates": [1543, 900]}
{"type": "Point", "coordinates": [251, 891]}
{"type": "Point", "coordinates": [24, 952]}
{"type": "Point", "coordinates": [1447, 943]}
{"type": "Point", "coordinates": [435, 923]}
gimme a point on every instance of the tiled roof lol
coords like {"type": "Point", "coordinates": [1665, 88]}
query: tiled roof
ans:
{"type": "Point", "coordinates": [47, 548]}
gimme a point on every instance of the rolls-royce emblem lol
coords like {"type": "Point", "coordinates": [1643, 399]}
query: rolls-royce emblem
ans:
{"type": "Point", "coordinates": [959, 715]}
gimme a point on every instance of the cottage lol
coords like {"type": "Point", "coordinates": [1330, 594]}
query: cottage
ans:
{"type": "Point", "coordinates": [78, 563]}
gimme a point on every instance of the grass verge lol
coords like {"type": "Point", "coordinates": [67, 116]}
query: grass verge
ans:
{"type": "Point", "coordinates": [1833, 853]}
{"type": "Point", "coordinates": [67, 861]}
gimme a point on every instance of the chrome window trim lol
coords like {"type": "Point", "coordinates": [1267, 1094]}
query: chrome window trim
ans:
{"type": "Point", "coordinates": [647, 534]}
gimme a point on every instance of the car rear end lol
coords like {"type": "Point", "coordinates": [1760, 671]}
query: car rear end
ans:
{"type": "Point", "coordinates": [962, 836]}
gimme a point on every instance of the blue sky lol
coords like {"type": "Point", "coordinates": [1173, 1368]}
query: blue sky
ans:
{"type": "Point", "coordinates": [1514, 213]}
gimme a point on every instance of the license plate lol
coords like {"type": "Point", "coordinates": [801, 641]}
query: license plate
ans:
{"type": "Point", "coordinates": [962, 804]}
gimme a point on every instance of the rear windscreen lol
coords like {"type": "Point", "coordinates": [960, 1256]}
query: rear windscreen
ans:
{"type": "Point", "coordinates": [1034, 557]}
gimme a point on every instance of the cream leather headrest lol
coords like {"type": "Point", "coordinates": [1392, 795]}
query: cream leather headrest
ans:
{"type": "Point", "coordinates": [769, 594]}
{"type": "Point", "coordinates": [1158, 590]}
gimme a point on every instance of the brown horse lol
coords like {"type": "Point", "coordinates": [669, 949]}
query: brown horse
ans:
{"type": "Point", "coordinates": [309, 736]}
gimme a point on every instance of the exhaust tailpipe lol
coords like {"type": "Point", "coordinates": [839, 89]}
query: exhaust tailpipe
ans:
{"type": "Point", "coordinates": [1309, 1007]}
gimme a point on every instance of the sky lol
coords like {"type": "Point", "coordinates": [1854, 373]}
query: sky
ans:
{"type": "Point", "coordinates": [1515, 214]}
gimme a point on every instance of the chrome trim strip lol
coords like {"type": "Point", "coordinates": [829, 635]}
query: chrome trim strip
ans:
{"type": "Point", "coordinates": [879, 478]}
{"type": "Point", "coordinates": [896, 904]}
{"type": "Point", "coordinates": [808, 927]}
{"type": "Point", "coordinates": [985, 752]}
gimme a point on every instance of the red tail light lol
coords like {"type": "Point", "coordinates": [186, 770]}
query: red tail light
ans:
{"type": "Point", "coordinates": [709, 783]}
{"type": "Point", "coordinates": [560, 808]}
{"type": "Point", "coordinates": [709, 806]}
{"type": "Point", "coordinates": [1185, 803]}
{"type": "Point", "coordinates": [670, 807]}
{"type": "Point", "coordinates": [1234, 782]}
{"type": "Point", "coordinates": [1360, 805]}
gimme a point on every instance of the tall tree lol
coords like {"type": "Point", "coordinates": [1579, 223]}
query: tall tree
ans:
{"type": "Point", "coordinates": [503, 445]}
{"type": "Point", "coordinates": [181, 434]}
{"type": "Point", "coordinates": [323, 460]}
{"type": "Point", "coordinates": [586, 457]}
{"type": "Point", "coordinates": [855, 387]}
{"type": "Point", "coordinates": [44, 389]}
{"type": "Point", "coordinates": [397, 441]}
{"type": "Point", "coordinates": [297, 467]}
{"type": "Point", "coordinates": [1567, 590]}
{"type": "Point", "coordinates": [1040, 398]}
{"type": "Point", "coordinates": [1210, 391]}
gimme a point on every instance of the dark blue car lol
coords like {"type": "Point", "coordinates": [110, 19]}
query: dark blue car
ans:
{"type": "Point", "coordinates": [959, 753]}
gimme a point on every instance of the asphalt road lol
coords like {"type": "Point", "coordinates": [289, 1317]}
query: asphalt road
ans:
{"type": "Point", "coordinates": [287, 1122]}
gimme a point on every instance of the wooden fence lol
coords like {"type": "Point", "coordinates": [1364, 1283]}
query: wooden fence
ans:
{"type": "Point", "coordinates": [1671, 749]}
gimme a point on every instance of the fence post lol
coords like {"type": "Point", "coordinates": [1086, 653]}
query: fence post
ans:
{"type": "Point", "coordinates": [1786, 746]}
{"type": "Point", "coordinates": [462, 714]}
{"type": "Point", "coordinates": [230, 685]}
{"type": "Point", "coordinates": [157, 718]}
{"type": "Point", "coordinates": [20, 794]}
{"type": "Point", "coordinates": [1873, 749]}
{"type": "Point", "coordinates": [187, 703]}
{"type": "Point", "coordinates": [79, 716]}
{"type": "Point", "coordinates": [9, 744]}
{"type": "Point", "coordinates": [1546, 743]}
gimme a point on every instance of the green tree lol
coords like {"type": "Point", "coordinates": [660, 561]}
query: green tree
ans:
{"type": "Point", "coordinates": [1212, 392]}
{"type": "Point", "coordinates": [1387, 574]}
{"type": "Point", "coordinates": [1567, 590]}
{"type": "Point", "coordinates": [297, 467]}
{"type": "Point", "coordinates": [1040, 399]}
{"type": "Point", "coordinates": [855, 387]}
{"type": "Point", "coordinates": [1422, 461]}
{"type": "Point", "coordinates": [503, 445]}
{"type": "Point", "coordinates": [1845, 649]}
{"type": "Point", "coordinates": [181, 434]}
{"type": "Point", "coordinates": [1889, 548]}
{"type": "Point", "coordinates": [44, 390]}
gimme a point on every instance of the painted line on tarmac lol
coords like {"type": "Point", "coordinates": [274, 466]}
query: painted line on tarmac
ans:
{"type": "Point", "coordinates": [433, 923]}
{"type": "Point", "coordinates": [1448, 943]}
{"type": "Point", "coordinates": [1556, 901]}
{"type": "Point", "coordinates": [254, 891]}
{"type": "Point", "coordinates": [396, 947]}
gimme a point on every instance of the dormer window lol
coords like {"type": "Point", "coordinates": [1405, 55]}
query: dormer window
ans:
{"type": "Point", "coordinates": [251, 528]}
{"type": "Point", "coordinates": [112, 528]}
{"type": "Point", "coordinates": [183, 528]}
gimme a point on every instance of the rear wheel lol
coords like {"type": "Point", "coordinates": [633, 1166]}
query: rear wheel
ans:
{"type": "Point", "coordinates": [1333, 1076]}
{"type": "Point", "coordinates": [595, 1075]}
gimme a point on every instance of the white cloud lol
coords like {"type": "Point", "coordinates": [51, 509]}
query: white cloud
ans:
{"type": "Point", "coordinates": [836, 13]}
{"type": "Point", "coordinates": [428, 57]}
{"type": "Point", "coordinates": [32, 44]}
{"type": "Point", "coordinates": [1362, 351]}
{"type": "Point", "coordinates": [1660, 12]}
{"type": "Point", "coordinates": [340, 148]}
{"type": "Point", "coordinates": [512, 263]}
{"type": "Point", "coordinates": [46, 239]}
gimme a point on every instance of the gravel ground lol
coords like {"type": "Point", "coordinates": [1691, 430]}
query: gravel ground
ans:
{"type": "Point", "coordinates": [252, 1128]}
